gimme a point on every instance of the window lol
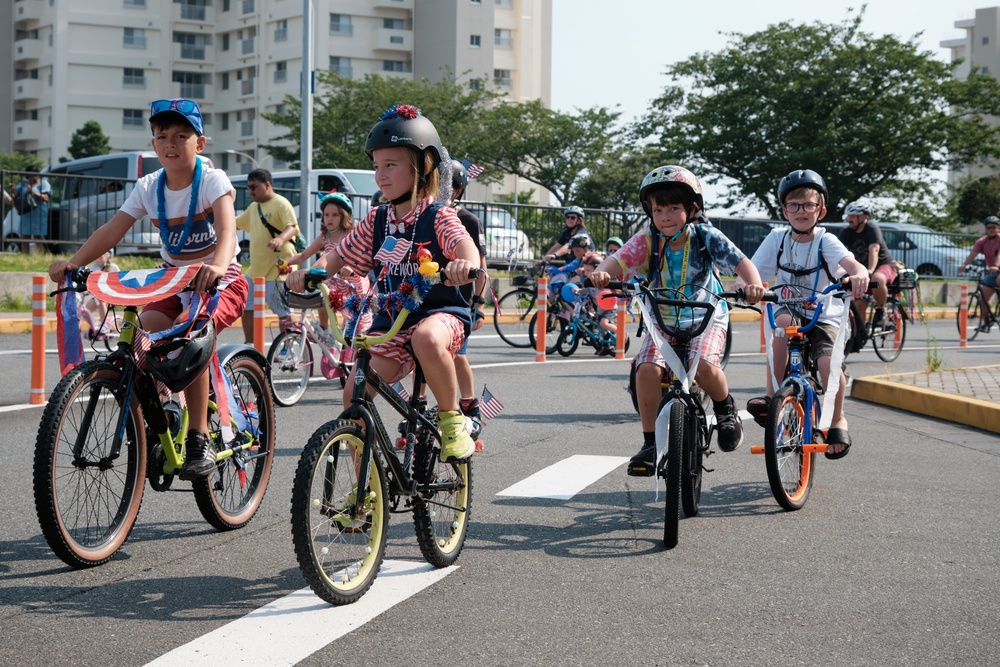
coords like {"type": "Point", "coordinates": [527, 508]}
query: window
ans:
{"type": "Point", "coordinates": [340, 24]}
{"type": "Point", "coordinates": [475, 41]}
{"type": "Point", "coordinates": [502, 77]}
{"type": "Point", "coordinates": [133, 118]}
{"type": "Point", "coordinates": [225, 5]}
{"type": "Point", "coordinates": [192, 85]}
{"type": "Point", "coordinates": [225, 121]}
{"type": "Point", "coordinates": [475, 84]}
{"type": "Point", "coordinates": [341, 66]}
{"type": "Point", "coordinates": [248, 6]}
{"type": "Point", "coordinates": [193, 10]}
{"type": "Point", "coordinates": [225, 80]}
{"type": "Point", "coordinates": [192, 45]}
{"type": "Point", "coordinates": [475, 2]}
{"type": "Point", "coordinates": [985, 70]}
{"type": "Point", "coordinates": [135, 38]}
{"type": "Point", "coordinates": [986, 39]}
{"type": "Point", "coordinates": [225, 41]}
{"type": "Point", "coordinates": [505, 3]}
{"type": "Point", "coordinates": [393, 66]}
{"type": "Point", "coordinates": [135, 3]}
{"type": "Point", "coordinates": [502, 38]}
{"type": "Point", "coordinates": [281, 31]}
{"type": "Point", "coordinates": [280, 72]}
{"type": "Point", "coordinates": [134, 78]}
{"type": "Point", "coordinates": [394, 24]}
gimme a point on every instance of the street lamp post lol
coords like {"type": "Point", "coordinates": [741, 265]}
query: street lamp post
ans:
{"type": "Point", "coordinates": [242, 154]}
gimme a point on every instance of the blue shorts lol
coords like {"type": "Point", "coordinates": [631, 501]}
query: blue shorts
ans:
{"type": "Point", "coordinates": [990, 279]}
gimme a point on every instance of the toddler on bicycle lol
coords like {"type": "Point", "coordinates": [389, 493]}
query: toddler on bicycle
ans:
{"type": "Point", "coordinates": [806, 256]}
{"type": "Point", "coordinates": [606, 317]}
{"type": "Point", "coordinates": [677, 252]}
{"type": "Point", "coordinates": [406, 152]}
{"type": "Point", "coordinates": [989, 246]}
{"type": "Point", "coordinates": [192, 204]}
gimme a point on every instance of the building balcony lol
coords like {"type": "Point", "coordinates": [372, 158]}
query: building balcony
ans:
{"type": "Point", "coordinates": [392, 4]}
{"type": "Point", "coordinates": [194, 14]}
{"type": "Point", "coordinates": [27, 49]}
{"type": "Point", "coordinates": [387, 39]}
{"type": "Point", "coordinates": [27, 89]}
{"type": "Point", "coordinates": [27, 130]}
{"type": "Point", "coordinates": [193, 91]}
{"type": "Point", "coordinates": [190, 52]}
{"type": "Point", "coordinates": [29, 10]}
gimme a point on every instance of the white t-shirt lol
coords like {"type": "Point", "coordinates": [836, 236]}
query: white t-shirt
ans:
{"type": "Point", "coordinates": [201, 242]}
{"type": "Point", "coordinates": [802, 255]}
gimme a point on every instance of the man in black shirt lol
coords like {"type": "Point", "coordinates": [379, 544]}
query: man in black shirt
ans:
{"type": "Point", "coordinates": [864, 239]}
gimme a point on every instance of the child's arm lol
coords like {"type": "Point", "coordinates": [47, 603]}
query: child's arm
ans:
{"type": "Point", "coordinates": [225, 245]}
{"type": "Point", "coordinates": [753, 288]}
{"type": "Point", "coordinates": [311, 250]}
{"type": "Point", "coordinates": [605, 271]}
{"type": "Point", "coordinates": [858, 275]}
{"type": "Point", "coordinates": [105, 238]}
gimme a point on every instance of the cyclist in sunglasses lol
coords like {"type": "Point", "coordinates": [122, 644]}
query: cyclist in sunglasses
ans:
{"type": "Point", "coordinates": [192, 203]}
{"type": "Point", "coordinates": [575, 224]}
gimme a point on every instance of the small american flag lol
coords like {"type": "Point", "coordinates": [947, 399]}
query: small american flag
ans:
{"type": "Point", "coordinates": [393, 250]}
{"type": "Point", "coordinates": [489, 405]}
{"type": "Point", "coordinates": [471, 169]}
{"type": "Point", "coordinates": [401, 390]}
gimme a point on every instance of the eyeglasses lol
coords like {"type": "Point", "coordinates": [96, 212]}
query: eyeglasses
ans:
{"type": "Point", "coordinates": [181, 105]}
{"type": "Point", "coordinates": [808, 207]}
{"type": "Point", "coordinates": [572, 216]}
{"type": "Point", "coordinates": [252, 187]}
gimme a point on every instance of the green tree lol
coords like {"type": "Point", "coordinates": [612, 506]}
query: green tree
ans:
{"type": "Point", "coordinates": [614, 181]}
{"type": "Point", "coordinates": [88, 141]}
{"type": "Point", "coordinates": [872, 114]}
{"type": "Point", "coordinates": [978, 199]}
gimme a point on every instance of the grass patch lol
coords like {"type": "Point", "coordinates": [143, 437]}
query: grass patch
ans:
{"type": "Point", "coordinates": [39, 263]}
{"type": "Point", "coordinates": [14, 304]}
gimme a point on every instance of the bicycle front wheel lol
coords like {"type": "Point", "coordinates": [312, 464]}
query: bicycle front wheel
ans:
{"type": "Point", "coordinates": [231, 495]}
{"type": "Point", "coordinates": [339, 551]}
{"type": "Point", "coordinates": [676, 442]}
{"type": "Point", "coordinates": [554, 328]}
{"type": "Point", "coordinates": [443, 501]}
{"type": "Point", "coordinates": [570, 340]}
{"type": "Point", "coordinates": [789, 468]}
{"type": "Point", "coordinates": [289, 366]}
{"type": "Point", "coordinates": [691, 473]}
{"type": "Point", "coordinates": [888, 340]}
{"type": "Point", "coordinates": [975, 316]}
{"type": "Point", "coordinates": [513, 315]}
{"type": "Point", "coordinates": [87, 491]}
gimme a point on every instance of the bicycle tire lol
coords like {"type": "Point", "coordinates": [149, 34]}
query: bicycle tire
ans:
{"type": "Point", "coordinates": [676, 442]}
{"type": "Point", "coordinates": [442, 506]}
{"type": "Point", "coordinates": [289, 382]}
{"type": "Point", "coordinates": [789, 469]}
{"type": "Point", "coordinates": [692, 471]}
{"type": "Point", "coordinates": [975, 317]}
{"type": "Point", "coordinates": [87, 513]}
{"type": "Point", "coordinates": [555, 327]}
{"type": "Point", "coordinates": [856, 332]}
{"type": "Point", "coordinates": [339, 555]}
{"type": "Point", "coordinates": [888, 343]}
{"type": "Point", "coordinates": [512, 316]}
{"type": "Point", "coordinates": [569, 341]}
{"type": "Point", "coordinates": [230, 497]}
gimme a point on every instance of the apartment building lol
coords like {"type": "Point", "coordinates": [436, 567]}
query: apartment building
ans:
{"type": "Point", "coordinates": [979, 51]}
{"type": "Point", "coordinates": [105, 60]}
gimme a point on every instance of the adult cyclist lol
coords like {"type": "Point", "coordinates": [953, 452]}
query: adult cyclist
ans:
{"type": "Point", "coordinates": [864, 239]}
{"type": "Point", "coordinates": [989, 246]}
{"type": "Point", "coordinates": [575, 224]}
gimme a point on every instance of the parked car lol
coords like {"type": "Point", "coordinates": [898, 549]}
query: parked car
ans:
{"type": "Point", "coordinates": [746, 233]}
{"type": "Point", "coordinates": [923, 249]}
{"type": "Point", "coordinates": [504, 241]}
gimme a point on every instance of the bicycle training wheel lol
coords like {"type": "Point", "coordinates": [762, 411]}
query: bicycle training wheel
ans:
{"type": "Point", "coordinates": [789, 469]}
{"type": "Point", "coordinates": [339, 552]}
{"type": "Point", "coordinates": [676, 442]}
{"type": "Point", "coordinates": [691, 472]}
{"type": "Point", "coordinates": [888, 340]}
{"type": "Point", "coordinates": [230, 496]}
{"type": "Point", "coordinates": [555, 326]}
{"type": "Point", "coordinates": [513, 315]}
{"type": "Point", "coordinates": [975, 316]}
{"type": "Point", "coordinates": [87, 499]}
{"type": "Point", "coordinates": [289, 366]}
{"type": "Point", "coordinates": [443, 501]}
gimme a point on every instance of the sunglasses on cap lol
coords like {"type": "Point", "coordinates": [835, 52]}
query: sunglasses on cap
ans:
{"type": "Point", "coordinates": [187, 108]}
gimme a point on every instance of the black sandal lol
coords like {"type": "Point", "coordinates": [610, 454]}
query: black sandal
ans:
{"type": "Point", "coordinates": [838, 436]}
{"type": "Point", "coordinates": [758, 407]}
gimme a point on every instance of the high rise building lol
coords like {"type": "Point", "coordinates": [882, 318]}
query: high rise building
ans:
{"type": "Point", "coordinates": [105, 60]}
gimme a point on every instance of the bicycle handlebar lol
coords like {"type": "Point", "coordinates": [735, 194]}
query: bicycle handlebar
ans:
{"type": "Point", "coordinates": [627, 289]}
{"type": "Point", "coordinates": [78, 282]}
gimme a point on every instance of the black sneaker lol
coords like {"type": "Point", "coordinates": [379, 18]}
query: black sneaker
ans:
{"type": "Point", "coordinates": [729, 426]}
{"type": "Point", "coordinates": [643, 464]}
{"type": "Point", "coordinates": [200, 459]}
{"type": "Point", "coordinates": [985, 328]}
{"type": "Point", "coordinates": [878, 320]}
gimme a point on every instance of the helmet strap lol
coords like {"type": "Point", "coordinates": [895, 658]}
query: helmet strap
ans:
{"type": "Point", "coordinates": [680, 231]}
{"type": "Point", "coordinates": [400, 199]}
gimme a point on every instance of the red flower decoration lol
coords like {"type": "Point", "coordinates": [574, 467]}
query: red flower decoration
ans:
{"type": "Point", "coordinates": [407, 111]}
{"type": "Point", "coordinates": [406, 288]}
{"type": "Point", "coordinates": [336, 300]}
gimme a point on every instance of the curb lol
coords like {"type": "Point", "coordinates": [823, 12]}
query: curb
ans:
{"type": "Point", "coordinates": [22, 324]}
{"type": "Point", "coordinates": [980, 414]}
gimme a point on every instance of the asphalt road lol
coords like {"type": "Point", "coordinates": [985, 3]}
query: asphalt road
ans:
{"type": "Point", "coordinates": [893, 561]}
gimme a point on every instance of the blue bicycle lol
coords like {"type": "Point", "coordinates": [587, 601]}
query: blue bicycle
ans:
{"type": "Point", "coordinates": [585, 326]}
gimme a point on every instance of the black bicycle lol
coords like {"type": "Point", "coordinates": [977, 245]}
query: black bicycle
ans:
{"type": "Point", "coordinates": [888, 333]}
{"type": "Point", "coordinates": [982, 317]}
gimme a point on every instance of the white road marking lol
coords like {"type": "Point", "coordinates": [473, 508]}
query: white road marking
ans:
{"type": "Point", "coordinates": [565, 479]}
{"type": "Point", "coordinates": [294, 627]}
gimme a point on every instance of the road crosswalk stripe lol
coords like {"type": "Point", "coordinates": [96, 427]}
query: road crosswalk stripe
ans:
{"type": "Point", "coordinates": [565, 479]}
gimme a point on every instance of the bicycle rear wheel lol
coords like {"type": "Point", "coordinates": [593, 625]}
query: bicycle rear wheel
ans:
{"type": "Point", "coordinates": [512, 316]}
{"type": "Point", "coordinates": [676, 442]}
{"type": "Point", "coordinates": [554, 328]}
{"type": "Point", "coordinates": [888, 340]}
{"type": "Point", "coordinates": [976, 316]}
{"type": "Point", "coordinates": [339, 553]}
{"type": "Point", "coordinates": [289, 366]}
{"type": "Point", "coordinates": [443, 501]}
{"type": "Point", "coordinates": [231, 495]}
{"type": "Point", "coordinates": [789, 469]}
{"type": "Point", "coordinates": [87, 501]}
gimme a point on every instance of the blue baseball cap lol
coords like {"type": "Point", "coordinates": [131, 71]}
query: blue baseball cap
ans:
{"type": "Point", "coordinates": [186, 109]}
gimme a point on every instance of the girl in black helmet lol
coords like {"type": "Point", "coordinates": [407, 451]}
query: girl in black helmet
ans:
{"type": "Point", "coordinates": [407, 153]}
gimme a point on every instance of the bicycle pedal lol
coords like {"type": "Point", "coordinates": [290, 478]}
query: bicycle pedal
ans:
{"type": "Point", "coordinates": [400, 443]}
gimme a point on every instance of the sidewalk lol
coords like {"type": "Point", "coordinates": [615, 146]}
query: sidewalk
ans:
{"type": "Point", "coordinates": [962, 395]}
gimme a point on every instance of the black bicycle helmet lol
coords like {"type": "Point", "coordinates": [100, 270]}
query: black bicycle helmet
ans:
{"type": "Point", "coordinates": [404, 125]}
{"type": "Point", "coordinates": [459, 177]}
{"type": "Point", "coordinates": [178, 362]}
{"type": "Point", "coordinates": [802, 178]}
{"type": "Point", "coordinates": [579, 241]}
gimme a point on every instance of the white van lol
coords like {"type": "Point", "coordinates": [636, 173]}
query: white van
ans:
{"type": "Point", "coordinates": [86, 193]}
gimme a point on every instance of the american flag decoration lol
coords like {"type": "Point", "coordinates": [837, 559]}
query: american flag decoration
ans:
{"type": "Point", "coordinates": [393, 250]}
{"type": "Point", "coordinates": [489, 406]}
{"type": "Point", "coordinates": [471, 169]}
{"type": "Point", "coordinates": [398, 387]}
